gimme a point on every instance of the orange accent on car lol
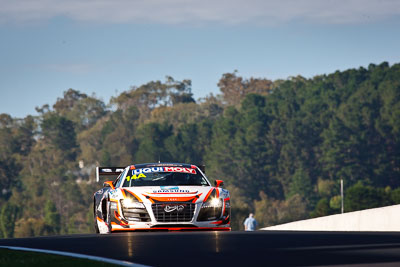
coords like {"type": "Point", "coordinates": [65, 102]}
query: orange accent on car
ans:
{"type": "Point", "coordinates": [110, 183]}
{"type": "Point", "coordinates": [133, 167]}
{"type": "Point", "coordinates": [100, 220]}
{"type": "Point", "coordinates": [209, 192]}
{"type": "Point", "coordinates": [123, 193]}
{"type": "Point", "coordinates": [117, 216]}
{"type": "Point", "coordinates": [196, 198]}
{"type": "Point", "coordinates": [165, 199]}
{"type": "Point", "coordinates": [217, 192]}
{"type": "Point", "coordinates": [219, 183]}
{"type": "Point", "coordinates": [173, 193]}
{"type": "Point", "coordinates": [221, 221]}
{"type": "Point", "coordinates": [138, 198]}
{"type": "Point", "coordinates": [149, 198]}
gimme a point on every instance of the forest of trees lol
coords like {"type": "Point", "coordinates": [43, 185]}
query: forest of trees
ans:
{"type": "Point", "coordinates": [280, 146]}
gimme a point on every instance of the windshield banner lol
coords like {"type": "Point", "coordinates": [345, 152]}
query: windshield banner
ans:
{"type": "Point", "coordinates": [164, 169]}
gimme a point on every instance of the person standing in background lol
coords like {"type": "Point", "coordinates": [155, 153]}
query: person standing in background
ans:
{"type": "Point", "coordinates": [250, 223]}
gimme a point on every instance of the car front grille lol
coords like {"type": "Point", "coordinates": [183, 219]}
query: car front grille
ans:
{"type": "Point", "coordinates": [173, 212]}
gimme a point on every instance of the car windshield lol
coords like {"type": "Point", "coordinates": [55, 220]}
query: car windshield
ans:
{"type": "Point", "coordinates": [164, 176]}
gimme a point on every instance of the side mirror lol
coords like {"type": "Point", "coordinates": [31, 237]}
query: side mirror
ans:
{"type": "Point", "coordinates": [219, 183]}
{"type": "Point", "coordinates": [108, 184]}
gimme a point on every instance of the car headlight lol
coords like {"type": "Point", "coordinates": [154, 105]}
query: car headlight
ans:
{"type": "Point", "coordinates": [213, 203]}
{"type": "Point", "coordinates": [129, 203]}
{"type": "Point", "coordinates": [211, 209]}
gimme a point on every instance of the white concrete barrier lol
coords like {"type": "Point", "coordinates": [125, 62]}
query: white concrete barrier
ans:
{"type": "Point", "coordinates": [378, 219]}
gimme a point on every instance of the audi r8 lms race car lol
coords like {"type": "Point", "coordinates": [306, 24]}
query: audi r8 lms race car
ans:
{"type": "Point", "coordinates": [160, 196]}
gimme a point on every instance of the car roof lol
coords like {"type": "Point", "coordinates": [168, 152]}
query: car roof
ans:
{"type": "Point", "coordinates": [168, 164]}
{"type": "Point", "coordinates": [162, 164]}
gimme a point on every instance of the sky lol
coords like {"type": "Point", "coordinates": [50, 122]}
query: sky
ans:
{"type": "Point", "coordinates": [104, 47]}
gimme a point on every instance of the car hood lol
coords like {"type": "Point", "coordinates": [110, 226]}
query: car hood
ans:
{"type": "Point", "coordinates": [155, 194]}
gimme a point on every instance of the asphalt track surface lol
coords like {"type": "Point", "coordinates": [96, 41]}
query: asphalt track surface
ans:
{"type": "Point", "coordinates": [260, 248]}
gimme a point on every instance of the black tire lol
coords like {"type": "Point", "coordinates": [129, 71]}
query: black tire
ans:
{"type": "Point", "coordinates": [109, 218]}
{"type": "Point", "coordinates": [96, 227]}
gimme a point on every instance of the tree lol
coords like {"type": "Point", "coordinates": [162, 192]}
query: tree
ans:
{"type": "Point", "coordinates": [8, 217]}
{"type": "Point", "coordinates": [359, 197]}
{"type": "Point", "coordinates": [60, 132]}
{"type": "Point", "coordinates": [24, 135]}
{"type": "Point", "coordinates": [80, 108]}
{"type": "Point", "coordinates": [395, 196]}
{"type": "Point", "coordinates": [151, 147]}
{"type": "Point", "coordinates": [301, 184]}
{"type": "Point", "coordinates": [9, 170]}
{"type": "Point", "coordinates": [234, 88]}
{"type": "Point", "coordinates": [51, 218]}
{"type": "Point", "coordinates": [9, 167]}
{"type": "Point", "coordinates": [155, 94]}
{"type": "Point", "coordinates": [183, 146]}
{"type": "Point", "coordinates": [322, 208]}
{"type": "Point", "coordinates": [271, 212]}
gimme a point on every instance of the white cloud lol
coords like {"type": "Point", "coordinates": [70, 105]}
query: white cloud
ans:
{"type": "Point", "coordinates": [268, 12]}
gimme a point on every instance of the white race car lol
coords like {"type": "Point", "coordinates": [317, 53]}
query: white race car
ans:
{"type": "Point", "coordinates": [160, 196]}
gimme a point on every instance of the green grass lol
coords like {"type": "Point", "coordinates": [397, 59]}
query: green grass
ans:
{"type": "Point", "coordinates": [22, 258]}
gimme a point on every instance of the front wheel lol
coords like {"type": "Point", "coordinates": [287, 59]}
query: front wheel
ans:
{"type": "Point", "coordinates": [108, 220]}
{"type": "Point", "coordinates": [96, 226]}
{"type": "Point", "coordinates": [102, 223]}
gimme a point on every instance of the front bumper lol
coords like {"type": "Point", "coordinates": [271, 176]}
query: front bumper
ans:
{"type": "Point", "coordinates": [169, 228]}
{"type": "Point", "coordinates": [177, 221]}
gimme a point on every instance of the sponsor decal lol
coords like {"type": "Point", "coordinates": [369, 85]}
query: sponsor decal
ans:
{"type": "Point", "coordinates": [172, 199]}
{"type": "Point", "coordinates": [180, 169]}
{"type": "Point", "coordinates": [171, 208]}
{"type": "Point", "coordinates": [163, 187]}
{"type": "Point", "coordinates": [163, 164]}
{"type": "Point", "coordinates": [147, 170]}
{"type": "Point", "coordinates": [114, 193]}
{"type": "Point", "coordinates": [171, 191]}
{"type": "Point", "coordinates": [106, 170]}
{"type": "Point", "coordinates": [164, 169]}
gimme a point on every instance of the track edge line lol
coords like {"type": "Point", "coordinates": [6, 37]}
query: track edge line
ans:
{"type": "Point", "coordinates": [77, 255]}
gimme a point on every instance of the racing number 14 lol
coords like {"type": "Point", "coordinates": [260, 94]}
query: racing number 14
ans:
{"type": "Point", "coordinates": [134, 177]}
